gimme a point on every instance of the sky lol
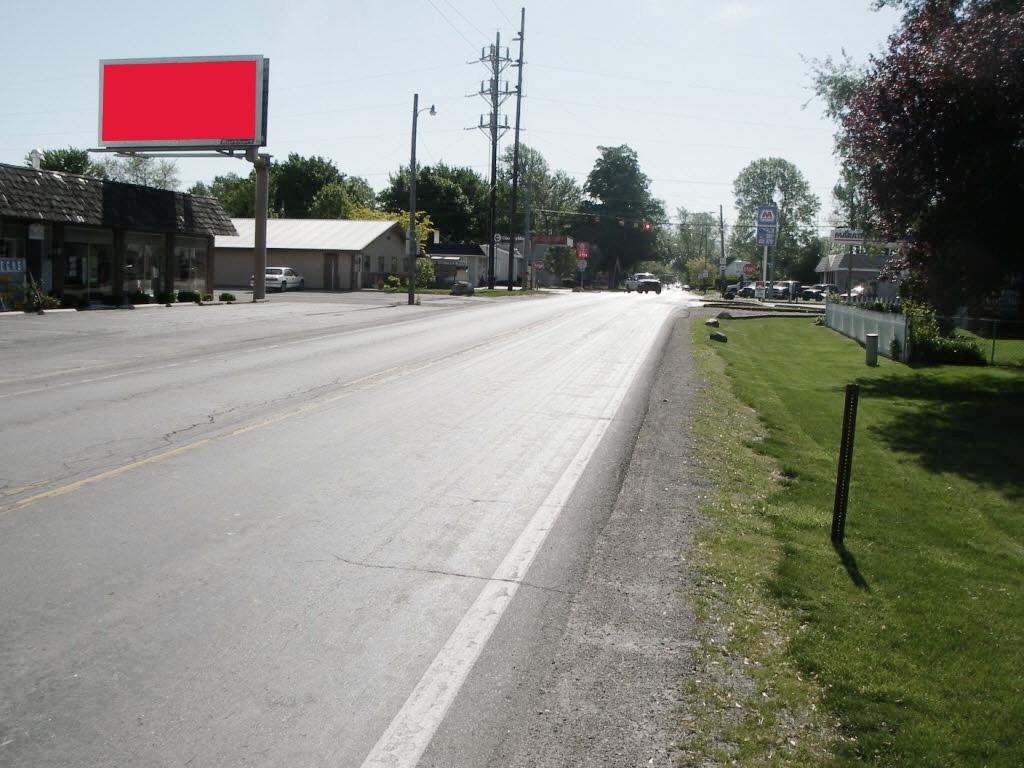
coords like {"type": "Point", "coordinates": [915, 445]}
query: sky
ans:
{"type": "Point", "coordinates": [698, 89]}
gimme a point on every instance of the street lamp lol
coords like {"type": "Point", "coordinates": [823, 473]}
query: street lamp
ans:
{"type": "Point", "coordinates": [411, 243]}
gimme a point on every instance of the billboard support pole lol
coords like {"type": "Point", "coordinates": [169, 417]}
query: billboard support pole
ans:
{"type": "Point", "coordinates": [261, 163]}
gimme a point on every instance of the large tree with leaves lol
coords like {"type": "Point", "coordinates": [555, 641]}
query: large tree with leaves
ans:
{"type": "Point", "coordinates": [455, 198]}
{"type": "Point", "coordinates": [764, 182]}
{"type": "Point", "coordinates": [935, 130]}
{"type": "Point", "coordinates": [619, 213]}
{"type": "Point", "coordinates": [553, 197]}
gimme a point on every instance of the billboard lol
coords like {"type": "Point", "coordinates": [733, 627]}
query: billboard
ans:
{"type": "Point", "coordinates": [214, 102]}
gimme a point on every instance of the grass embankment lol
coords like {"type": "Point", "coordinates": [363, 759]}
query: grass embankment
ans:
{"type": "Point", "coordinates": [905, 647]}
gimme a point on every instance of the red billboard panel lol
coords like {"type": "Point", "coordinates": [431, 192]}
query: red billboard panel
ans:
{"type": "Point", "coordinates": [214, 102]}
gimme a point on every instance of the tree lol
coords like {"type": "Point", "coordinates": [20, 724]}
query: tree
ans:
{"type": "Point", "coordinates": [300, 187]}
{"type": "Point", "coordinates": [331, 201]}
{"type": "Point", "coordinates": [455, 198]}
{"type": "Point", "coordinates": [236, 194]}
{"type": "Point", "coordinates": [139, 169]}
{"type": "Point", "coordinates": [764, 182]}
{"type": "Point", "coordinates": [698, 243]}
{"type": "Point", "coordinates": [553, 198]}
{"type": "Point", "coordinates": [936, 128]}
{"type": "Point", "coordinates": [68, 160]}
{"type": "Point", "coordinates": [297, 181]}
{"type": "Point", "coordinates": [619, 213]}
{"type": "Point", "coordinates": [560, 260]}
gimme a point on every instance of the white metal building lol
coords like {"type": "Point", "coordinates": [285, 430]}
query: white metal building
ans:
{"type": "Point", "coordinates": [331, 254]}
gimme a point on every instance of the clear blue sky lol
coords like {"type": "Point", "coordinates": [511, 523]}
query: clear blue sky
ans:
{"type": "Point", "coordinates": [698, 89]}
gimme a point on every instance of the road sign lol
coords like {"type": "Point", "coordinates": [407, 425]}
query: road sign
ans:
{"type": "Point", "coordinates": [537, 263]}
{"type": "Point", "coordinates": [748, 269]}
{"type": "Point", "coordinates": [847, 236]}
{"type": "Point", "coordinates": [581, 264]}
{"type": "Point", "coordinates": [583, 250]}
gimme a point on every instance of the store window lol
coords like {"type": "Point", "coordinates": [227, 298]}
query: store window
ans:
{"type": "Point", "coordinates": [90, 263]}
{"type": "Point", "coordinates": [190, 264]}
{"type": "Point", "coordinates": [143, 257]}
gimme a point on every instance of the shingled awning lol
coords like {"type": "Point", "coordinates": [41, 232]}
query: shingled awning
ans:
{"type": "Point", "coordinates": [53, 196]}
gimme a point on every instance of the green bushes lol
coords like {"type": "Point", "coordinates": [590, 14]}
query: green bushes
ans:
{"type": "Point", "coordinates": [167, 297]}
{"type": "Point", "coordinates": [936, 342]}
{"type": "Point", "coordinates": [189, 296]}
{"type": "Point", "coordinates": [226, 297]}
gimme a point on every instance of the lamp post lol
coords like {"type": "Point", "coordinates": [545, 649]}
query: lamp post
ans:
{"type": "Point", "coordinates": [411, 243]}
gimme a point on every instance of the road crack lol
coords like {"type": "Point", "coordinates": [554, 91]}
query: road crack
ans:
{"type": "Point", "coordinates": [441, 572]}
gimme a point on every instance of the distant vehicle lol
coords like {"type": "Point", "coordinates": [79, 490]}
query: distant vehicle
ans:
{"type": "Point", "coordinates": [281, 278]}
{"type": "Point", "coordinates": [785, 289]}
{"type": "Point", "coordinates": [818, 291]}
{"type": "Point", "coordinates": [746, 292]}
{"type": "Point", "coordinates": [643, 282]}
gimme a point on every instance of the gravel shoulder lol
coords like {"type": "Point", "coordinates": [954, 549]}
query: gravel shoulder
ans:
{"type": "Point", "coordinates": [589, 664]}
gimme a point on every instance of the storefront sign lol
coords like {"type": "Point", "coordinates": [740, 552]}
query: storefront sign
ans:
{"type": "Point", "coordinates": [10, 266]}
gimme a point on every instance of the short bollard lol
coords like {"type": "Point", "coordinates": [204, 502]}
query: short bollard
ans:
{"type": "Point", "coordinates": [845, 464]}
{"type": "Point", "coordinates": [871, 349]}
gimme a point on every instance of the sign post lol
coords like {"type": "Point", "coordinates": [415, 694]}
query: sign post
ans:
{"type": "Point", "coordinates": [767, 229]}
{"type": "Point", "coordinates": [582, 254]}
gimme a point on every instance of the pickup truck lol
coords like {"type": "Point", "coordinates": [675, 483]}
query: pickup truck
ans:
{"type": "Point", "coordinates": [642, 282]}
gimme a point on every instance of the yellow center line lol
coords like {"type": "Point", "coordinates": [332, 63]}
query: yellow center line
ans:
{"type": "Point", "coordinates": [380, 377]}
{"type": "Point", "coordinates": [347, 389]}
{"type": "Point", "coordinates": [70, 487]}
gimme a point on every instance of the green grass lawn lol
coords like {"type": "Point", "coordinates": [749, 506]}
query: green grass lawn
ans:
{"type": "Point", "coordinates": [911, 637]}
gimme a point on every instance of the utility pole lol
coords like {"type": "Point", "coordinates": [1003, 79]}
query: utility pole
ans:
{"type": "Point", "coordinates": [515, 155]}
{"type": "Point", "coordinates": [493, 94]}
{"type": "Point", "coordinates": [721, 236]}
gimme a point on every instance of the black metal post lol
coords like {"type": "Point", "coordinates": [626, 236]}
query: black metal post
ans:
{"type": "Point", "coordinates": [845, 464]}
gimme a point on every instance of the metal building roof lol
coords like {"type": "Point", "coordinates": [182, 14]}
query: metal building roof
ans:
{"type": "Point", "coordinates": [312, 234]}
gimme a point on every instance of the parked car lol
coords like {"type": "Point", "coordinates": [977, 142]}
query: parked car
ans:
{"type": "Point", "coordinates": [281, 278]}
{"type": "Point", "coordinates": [819, 291]}
{"type": "Point", "coordinates": [785, 289]}
{"type": "Point", "coordinates": [746, 292]}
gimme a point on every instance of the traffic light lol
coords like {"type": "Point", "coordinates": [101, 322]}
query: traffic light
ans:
{"type": "Point", "coordinates": [647, 226]}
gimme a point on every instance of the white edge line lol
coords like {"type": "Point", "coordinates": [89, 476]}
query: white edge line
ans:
{"type": "Point", "coordinates": [411, 730]}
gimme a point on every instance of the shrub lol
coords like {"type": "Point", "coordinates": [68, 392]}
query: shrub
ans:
{"type": "Point", "coordinates": [393, 283]}
{"type": "Point", "coordinates": [207, 297]}
{"type": "Point", "coordinates": [166, 297]}
{"type": "Point", "coordinates": [228, 297]}
{"type": "Point", "coordinates": [140, 298]}
{"type": "Point", "coordinates": [934, 340]}
{"type": "Point", "coordinates": [188, 296]}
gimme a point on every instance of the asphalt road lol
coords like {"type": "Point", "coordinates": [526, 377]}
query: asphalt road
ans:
{"type": "Point", "coordinates": [283, 534]}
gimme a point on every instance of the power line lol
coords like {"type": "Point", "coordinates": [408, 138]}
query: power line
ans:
{"type": "Point", "coordinates": [474, 26]}
{"type": "Point", "coordinates": [457, 30]}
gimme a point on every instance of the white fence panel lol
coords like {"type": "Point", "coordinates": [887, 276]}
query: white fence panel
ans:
{"type": "Point", "coordinates": [856, 323]}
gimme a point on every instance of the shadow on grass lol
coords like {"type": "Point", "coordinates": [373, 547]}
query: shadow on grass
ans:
{"type": "Point", "coordinates": [969, 427]}
{"type": "Point", "coordinates": [850, 564]}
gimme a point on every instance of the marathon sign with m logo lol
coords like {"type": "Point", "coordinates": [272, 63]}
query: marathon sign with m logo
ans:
{"type": "Point", "coordinates": [767, 224]}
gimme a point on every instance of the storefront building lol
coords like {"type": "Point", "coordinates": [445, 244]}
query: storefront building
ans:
{"type": "Point", "coordinates": [92, 240]}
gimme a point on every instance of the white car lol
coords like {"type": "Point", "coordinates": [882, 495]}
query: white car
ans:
{"type": "Point", "coordinates": [282, 278]}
